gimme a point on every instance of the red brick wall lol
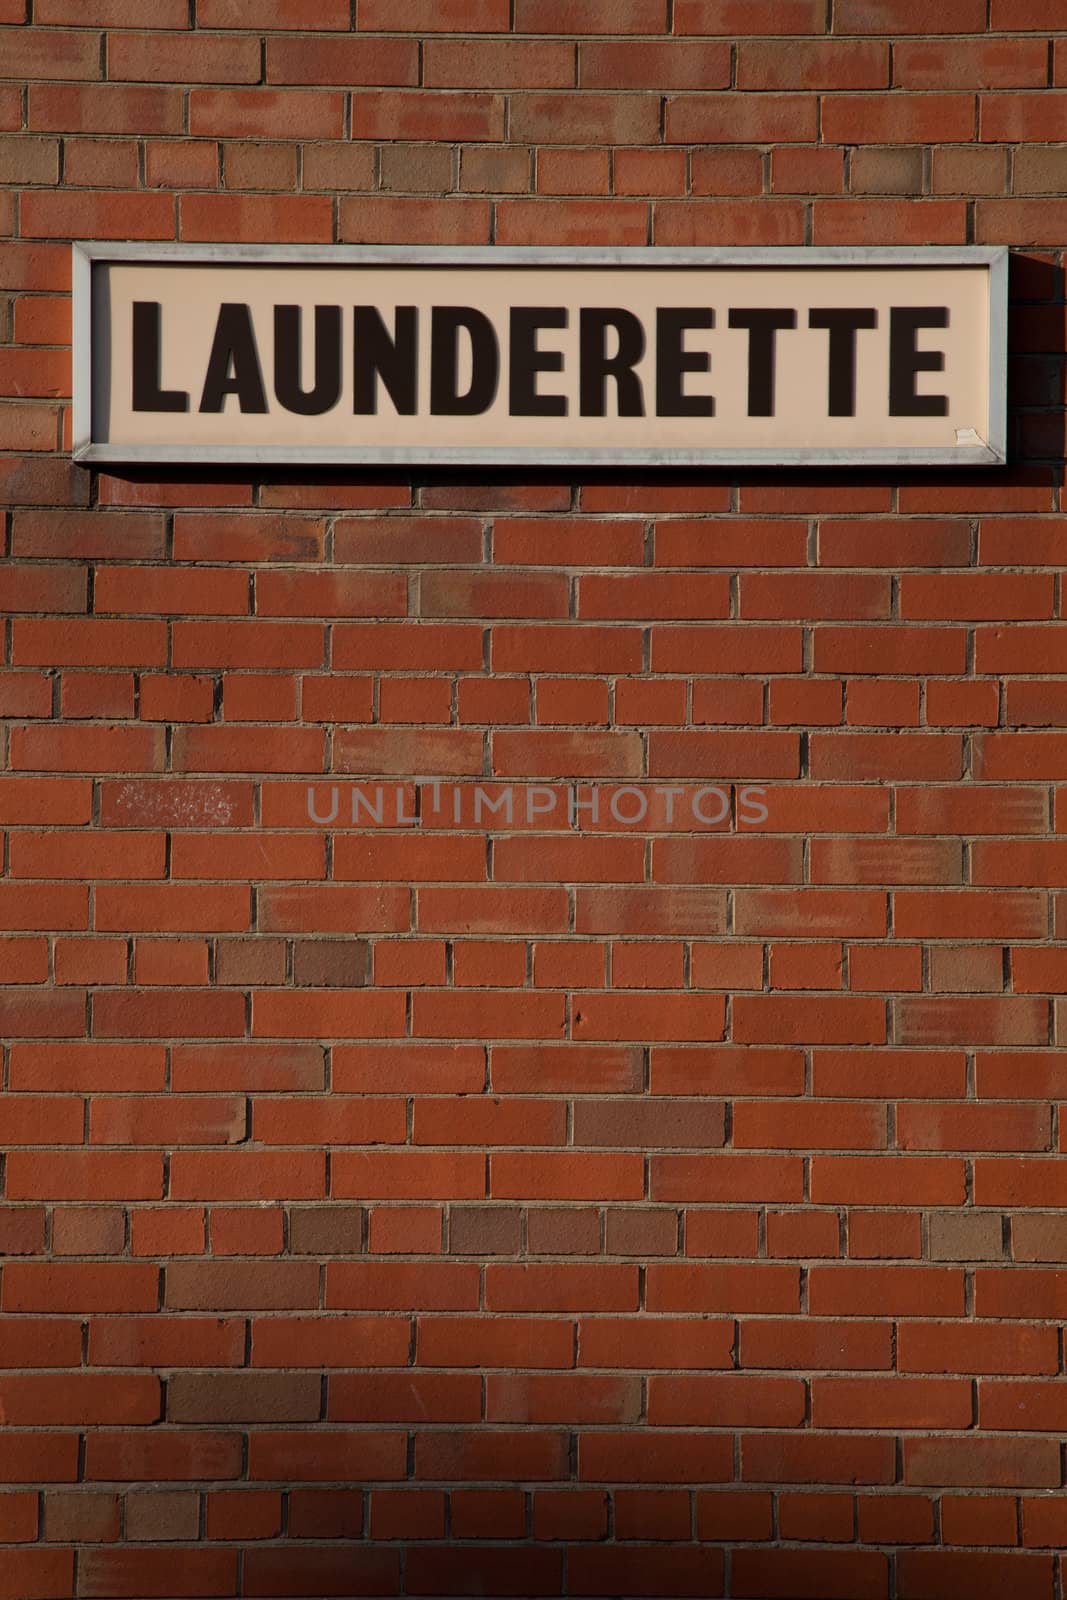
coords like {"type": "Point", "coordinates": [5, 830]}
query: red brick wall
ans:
{"type": "Point", "coordinates": [619, 1211]}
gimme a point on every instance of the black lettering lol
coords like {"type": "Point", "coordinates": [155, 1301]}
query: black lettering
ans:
{"type": "Point", "coordinates": [147, 395]}
{"type": "Point", "coordinates": [842, 324]}
{"type": "Point", "coordinates": [526, 361]}
{"type": "Point", "coordinates": [234, 347]}
{"type": "Point", "coordinates": [445, 325]}
{"type": "Point", "coordinates": [596, 366]}
{"type": "Point", "coordinates": [394, 359]}
{"type": "Point", "coordinates": [673, 361]}
{"type": "Point", "coordinates": [762, 325]}
{"type": "Point", "coordinates": [905, 361]}
{"type": "Point", "coordinates": [326, 389]}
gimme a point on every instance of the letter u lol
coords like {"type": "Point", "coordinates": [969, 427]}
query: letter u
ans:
{"type": "Point", "coordinates": [324, 821]}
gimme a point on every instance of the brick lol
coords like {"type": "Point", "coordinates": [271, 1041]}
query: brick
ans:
{"type": "Point", "coordinates": [595, 16]}
{"type": "Point", "coordinates": [978, 1021]}
{"type": "Point", "coordinates": [726, 1178]}
{"type": "Point", "coordinates": [1031, 221]}
{"type": "Point", "coordinates": [896, 169]}
{"type": "Point", "coordinates": [149, 1120]}
{"type": "Point", "coordinates": [734, 17]}
{"type": "Point", "coordinates": [25, 478]}
{"type": "Point", "coordinates": [852, 1180]}
{"type": "Point", "coordinates": [257, 166]}
{"type": "Point", "coordinates": [187, 164]}
{"type": "Point", "coordinates": [729, 1514]}
{"type": "Point", "coordinates": [511, 64]}
{"type": "Point", "coordinates": [837, 64]}
{"type": "Point", "coordinates": [827, 1020]}
{"type": "Point", "coordinates": [403, 220]}
{"type": "Point", "coordinates": [652, 1514]}
{"type": "Point", "coordinates": [34, 1572]}
{"type": "Point", "coordinates": [751, 222]}
{"type": "Point", "coordinates": [109, 13]}
{"type": "Point", "coordinates": [874, 222]}
{"type": "Point", "coordinates": [162, 1013]}
{"type": "Point", "coordinates": [939, 1572]}
{"type": "Point", "coordinates": [89, 642]}
{"type": "Point", "coordinates": [53, 55]}
{"type": "Point", "coordinates": [971, 63]}
{"type": "Point", "coordinates": [1020, 1182]}
{"type": "Point", "coordinates": [658, 172]}
{"type": "Point", "coordinates": [97, 694]}
{"type": "Point", "coordinates": [903, 1403]}
{"type": "Point", "coordinates": [662, 1458]}
{"type": "Point", "coordinates": [1008, 1405]}
{"type": "Point", "coordinates": [243, 1397]}
{"type": "Point", "coordinates": [181, 58]}
{"type": "Point", "coordinates": [167, 1232]}
{"type": "Point", "coordinates": [43, 1120]}
{"type": "Point", "coordinates": [877, 861]}
{"type": "Point", "coordinates": [1018, 597]}
{"type": "Point", "coordinates": [86, 1066]}
{"type": "Point", "coordinates": [829, 1458]}
{"type": "Point", "coordinates": [755, 119]}
{"type": "Point", "coordinates": [899, 119]}
{"type": "Point", "coordinates": [1042, 1521]}
{"type": "Point", "coordinates": [809, 1126]}
{"type": "Point", "coordinates": [603, 1287]}
{"type": "Point", "coordinates": [392, 62]}
{"type": "Point", "coordinates": [740, 1400]}
{"type": "Point", "coordinates": [983, 1463]}
{"type": "Point", "coordinates": [80, 1398]}
{"type": "Point", "coordinates": [48, 855]}
{"type": "Point", "coordinates": [174, 1515]}
{"type": "Point", "coordinates": [488, 170]}
{"type": "Point", "coordinates": [796, 169]}
{"type": "Point", "coordinates": [896, 1519]}
{"type": "Point", "coordinates": [963, 1238]}
{"type": "Point", "coordinates": [799, 1235]}
{"type": "Point", "coordinates": [573, 172]}
{"type": "Point", "coordinates": [949, 1127]}
{"type": "Point", "coordinates": [233, 1285]}
{"type": "Point", "coordinates": [97, 215]}
{"type": "Point", "coordinates": [80, 1516]}
{"type": "Point", "coordinates": [1012, 1294]}
{"type": "Point", "coordinates": [718, 755]}
{"type": "Point", "coordinates": [258, 113]}
{"type": "Point", "coordinates": [689, 1287]}
{"type": "Point", "coordinates": [908, 16]}
{"type": "Point", "coordinates": [103, 1286]}
{"type": "Point", "coordinates": [41, 1458]}
{"type": "Point", "coordinates": [644, 65]}
{"type": "Point", "coordinates": [88, 1230]}
{"type": "Point", "coordinates": [131, 1572]}
{"type": "Point", "coordinates": [884, 1235]}
{"type": "Point", "coordinates": [863, 755]}
{"type": "Point", "coordinates": [860, 1573]}
{"type": "Point", "coordinates": [420, 115]}
{"type": "Point", "coordinates": [86, 1175]}
{"type": "Point", "coordinates": [243, 1514]}
{"type": "Point", "coordinates": [296, 218]}
{"type": "Point", "coordinates": [898, 1291]}
{"type": "Point", "coordinates": [975, 170]}
{"type": "Point", "coordinates": [1037, 1238]}
{"type": "Point", "coordinates": [571, 222]}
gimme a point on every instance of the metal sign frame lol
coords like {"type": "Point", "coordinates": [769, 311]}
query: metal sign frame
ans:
{"type": "Point", "coordinates": [991, 450]}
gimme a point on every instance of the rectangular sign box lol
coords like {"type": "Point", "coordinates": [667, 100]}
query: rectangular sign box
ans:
{"type": "Point", "coordinates": [401, 355]}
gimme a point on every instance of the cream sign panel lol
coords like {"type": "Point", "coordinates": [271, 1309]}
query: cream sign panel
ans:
{"type": "Point", "coordinates": [679, 357]}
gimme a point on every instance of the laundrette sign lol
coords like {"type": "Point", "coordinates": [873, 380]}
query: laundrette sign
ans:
{"type": "Point", "coordinates": [260, 354]}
